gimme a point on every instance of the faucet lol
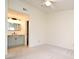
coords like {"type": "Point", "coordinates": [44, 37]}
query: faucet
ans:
{"type": "Point", "coordinates": [14, 35]}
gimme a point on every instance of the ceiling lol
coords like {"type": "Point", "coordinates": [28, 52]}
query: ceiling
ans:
{"type": "Point", "coordinates": [59, 5]}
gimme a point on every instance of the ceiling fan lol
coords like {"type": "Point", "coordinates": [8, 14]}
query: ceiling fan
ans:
{"type": "Point", "coordinates": [49, 3]}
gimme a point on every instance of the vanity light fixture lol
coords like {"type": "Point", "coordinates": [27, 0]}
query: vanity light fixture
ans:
{"type": "Point", "coordinates": [14, 20]}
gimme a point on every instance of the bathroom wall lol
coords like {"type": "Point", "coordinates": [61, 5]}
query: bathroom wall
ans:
{"type": "Point", "coordinates": [23, 18]}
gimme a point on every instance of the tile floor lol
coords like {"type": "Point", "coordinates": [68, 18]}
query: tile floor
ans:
{"type": "Point", "coordinates": [40, 52]}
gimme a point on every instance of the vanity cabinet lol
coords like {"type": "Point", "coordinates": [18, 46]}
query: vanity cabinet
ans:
{"type": "Point", "coordinates": [17, 40]}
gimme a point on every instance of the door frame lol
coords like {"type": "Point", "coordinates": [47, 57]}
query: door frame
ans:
{"type": "Point", "coordinates": [27, 33]}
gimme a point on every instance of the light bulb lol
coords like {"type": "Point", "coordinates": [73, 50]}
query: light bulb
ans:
{"type": "Point", "coordinates": [47, 3]}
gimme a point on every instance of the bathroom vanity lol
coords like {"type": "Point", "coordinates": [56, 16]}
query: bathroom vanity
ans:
{"type": "Point", "coordinates": [14, 41]}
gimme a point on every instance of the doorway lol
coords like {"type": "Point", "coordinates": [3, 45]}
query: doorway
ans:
{"type": "Point", "coordinates": [18, 32]}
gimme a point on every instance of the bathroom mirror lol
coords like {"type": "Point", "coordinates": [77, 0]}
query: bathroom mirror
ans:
{"type": "Point", "coordinates": [14, 27]}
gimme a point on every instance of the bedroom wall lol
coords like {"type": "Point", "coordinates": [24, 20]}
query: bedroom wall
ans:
{"type": "Point", "coordinates": [55, 28]}
{"type": "Point", "coordinates": [61, 29]}
{"type": "Point", "coordinates": [36, 27]}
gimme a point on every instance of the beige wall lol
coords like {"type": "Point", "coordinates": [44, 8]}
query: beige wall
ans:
{"type": "Point", "coordinates": [61, 29]}
{"type": "Point", "coordinates": [36, 23]}
{"type": "Point", "coordinates": [56, 27]}
{"type": "Point", "coordinates": [22, 17]}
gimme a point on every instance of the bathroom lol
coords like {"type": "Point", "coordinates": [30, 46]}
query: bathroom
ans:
{"type": "Point", "coordinates": [18, 29]}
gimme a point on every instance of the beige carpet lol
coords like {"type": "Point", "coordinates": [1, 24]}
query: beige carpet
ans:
{"type": "Point", "coordinates": [40, 52]}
